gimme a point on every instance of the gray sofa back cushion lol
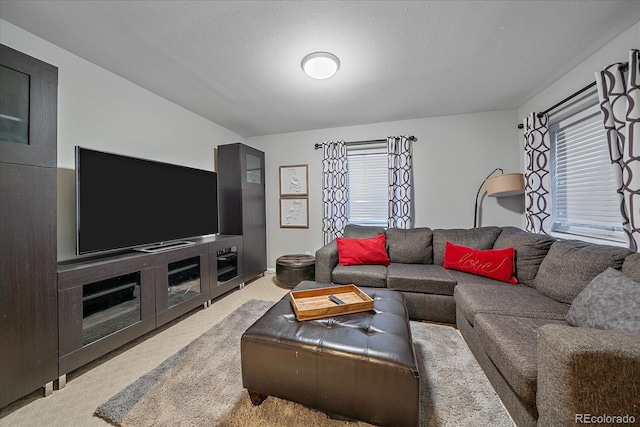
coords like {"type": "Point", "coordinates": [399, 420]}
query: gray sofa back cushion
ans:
{"type": "Point", "coordinates": [631, 266]}
{"type": "Point", "coordinates": [353, 231]}
{"type": "Point", "coordinates": [412, 246]}
{"type": "Point", "coordinates": [610, 301]}
{"type": "Point", "coordinates": [530, 248]}
{"type": "Point", "coordinates": [570, 265]}
{"type": "Point", "coordinates": [477, 238]}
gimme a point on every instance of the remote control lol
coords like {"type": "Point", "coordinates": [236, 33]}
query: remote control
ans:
{"type": "Point", "coordinates": [336, 299]}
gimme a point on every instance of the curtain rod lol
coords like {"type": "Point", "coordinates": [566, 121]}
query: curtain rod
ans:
{"type": "Point", "coordinates": [623, 67]}
{"type": "Point", "coordinates": [371, 141]}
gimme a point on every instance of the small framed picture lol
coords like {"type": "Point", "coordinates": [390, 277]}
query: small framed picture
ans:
{"type": "Point", "coordinates": [294, 212]}
{"type": "Point", "coordinates": [294, 180]}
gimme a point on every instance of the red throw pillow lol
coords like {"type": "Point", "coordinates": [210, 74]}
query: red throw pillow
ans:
{"type": "Point", "coordinates": [363, 251]}
{"type": "Point", "coordinates": [493, 263]}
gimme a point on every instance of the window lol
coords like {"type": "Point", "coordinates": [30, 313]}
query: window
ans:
{"type": "Point", "coordinates": [583, 186]}
{"type": "Point", "coordinates": [368, 184]}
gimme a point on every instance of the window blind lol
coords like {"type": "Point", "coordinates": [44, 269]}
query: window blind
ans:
{"type": "Point", "coordinates": [368, 184]}
{"type": "Point", "coordinates": [583, 184]}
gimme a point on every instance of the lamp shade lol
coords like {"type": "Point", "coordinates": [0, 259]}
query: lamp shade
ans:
{"type": "Point", "coordinates": [508, 184]}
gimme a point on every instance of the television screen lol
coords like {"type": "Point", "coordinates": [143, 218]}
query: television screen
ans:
{"type": "Point", "coordinates": [124, 202]}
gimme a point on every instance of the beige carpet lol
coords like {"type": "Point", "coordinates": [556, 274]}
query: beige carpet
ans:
{"type": "Point", "coordinates": [201, 385]}
{"type": "Point", "coordinates": [93, 384]}
{"type": "Point", "coordinates": [197, 386]}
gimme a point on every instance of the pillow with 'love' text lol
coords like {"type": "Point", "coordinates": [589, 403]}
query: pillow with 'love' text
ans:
{"type": "Point", "coordinates": [495, 264]}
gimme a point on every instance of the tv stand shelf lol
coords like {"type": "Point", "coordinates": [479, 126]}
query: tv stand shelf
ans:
{"type": "Point", "coordinates": [107, 301]}
{"type": "Point", "coordinates": [108, 291]}
{"type": "Point", "coordinates": [181, 269]}
{"type": "Point", "coordinates": [225, 270]}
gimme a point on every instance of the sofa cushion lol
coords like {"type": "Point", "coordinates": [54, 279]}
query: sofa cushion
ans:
{"type": "Point", "coordinates": [511, 342]}
{"type": "Point", "coordinates": [570, 265]}
{"type": "Point", "coordinates": [354, 231]}
{"type": "Point", "coordinates": [430, 307]}
{"type": "Point", "coordinates": [530, 248]}
{"type": "Point", "coordinates": [411, 246]}
{"type": "Point", "coordinates": [492, 263]}
{"type": "Point", "coordinates": [423, 278]}
{"type": "Point", "coordinates": [631, 266]}
{"type": "Point", "coordinates": [373, 276]}
{"type": "Point", "coordinates": [468, 278]}
{"type": "Point", "coordinates": [610, 301]}
{"type": "Point", "coordinates": [477, 238]}
{"type": "Point", "coordinates": [496, 298]}
{"type": "Point", "coordinates": [362, 251]}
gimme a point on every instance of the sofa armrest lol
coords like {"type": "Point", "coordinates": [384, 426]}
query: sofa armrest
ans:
{"type": "Point", "coordinates": [326, 261]}
{"type": "Point", "coordinates": [586, 373]}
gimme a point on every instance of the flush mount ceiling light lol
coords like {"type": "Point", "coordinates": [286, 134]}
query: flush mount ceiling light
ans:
{"type": "Point", "coordinates": [320, 65]}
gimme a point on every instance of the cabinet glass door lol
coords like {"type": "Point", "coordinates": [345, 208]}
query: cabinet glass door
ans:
{"type": "Point", "coordinates": [184, 280]}
{"type": "Point", "coordinates": [254, 169]}
{"type": "Point", "coordinates": [109, 306]}
{"type": "Point", "coordinates": [14, 106]}
{"type": "Point", "coordinates": [227, 264]}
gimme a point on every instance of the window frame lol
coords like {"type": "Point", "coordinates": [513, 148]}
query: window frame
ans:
{"type": "Point", "coordinates": [363, 149]}
{"type": "Point", "coordinates": [581, 110]}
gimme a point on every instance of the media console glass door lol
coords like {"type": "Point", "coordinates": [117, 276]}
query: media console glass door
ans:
{"type": "Point", "coordinates": [227, 264]}
{"type": "Point", "coordinates": [109, 306]}
{"type": "Point", "coordinates": [184, 280]}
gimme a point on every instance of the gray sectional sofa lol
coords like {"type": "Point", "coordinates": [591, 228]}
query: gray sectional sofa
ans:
{"type": "Point", "coordinates": [546, 371]}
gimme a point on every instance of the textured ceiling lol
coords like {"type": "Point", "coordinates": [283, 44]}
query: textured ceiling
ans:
{"type": "Point", "coordinates": [237, 63]}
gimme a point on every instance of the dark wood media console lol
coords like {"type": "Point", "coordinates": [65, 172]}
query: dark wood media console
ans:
{"type": "Point", "coordinates": [105, 302]}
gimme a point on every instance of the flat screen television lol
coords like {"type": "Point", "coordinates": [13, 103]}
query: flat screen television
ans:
{"type": "Point", "coordinates": [125, 202]}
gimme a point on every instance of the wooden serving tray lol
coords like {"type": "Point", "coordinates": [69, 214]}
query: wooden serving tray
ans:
{"type": "Point", "coordinates": [315, 303]}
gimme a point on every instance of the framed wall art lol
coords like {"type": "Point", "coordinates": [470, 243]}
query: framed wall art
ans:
{"type": "Point", "coordinates": [294, 181]}
{"type": "Point", "coordinates": [294, 212]}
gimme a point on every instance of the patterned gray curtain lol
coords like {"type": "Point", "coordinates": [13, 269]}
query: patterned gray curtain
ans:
{"type": "Point", "coordinates": [536, 176]}
{"type": "Point", "coordinates": [400, 181]}
{"type": "Point", "coordinates": [335, 192]}
{"type": "Point", "coordinates": [620, 106]}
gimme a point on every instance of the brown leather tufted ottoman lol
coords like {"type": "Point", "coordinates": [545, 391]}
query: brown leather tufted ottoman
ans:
{"type": "Point", "coordinates": [360, 365]}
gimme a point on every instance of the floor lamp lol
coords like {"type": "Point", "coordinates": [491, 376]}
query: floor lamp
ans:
{"type": "Point", "coordinates": [503, 185]}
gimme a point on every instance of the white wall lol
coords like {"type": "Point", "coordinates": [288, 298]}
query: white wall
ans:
{"type": "Point", "coordinates": [579, 77]}
{"type": "Point", "coordinates": [452, 156]}
{"type": "Point", "coordinates": [98, 109]}
{"type": "Point", "coordinates": [615, 51]}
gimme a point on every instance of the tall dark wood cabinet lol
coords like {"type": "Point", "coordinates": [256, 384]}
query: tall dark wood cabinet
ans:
{"type": "Point", "coordinates": [242, 203]}
{"type": "Point", "coordinates": [28, 247]}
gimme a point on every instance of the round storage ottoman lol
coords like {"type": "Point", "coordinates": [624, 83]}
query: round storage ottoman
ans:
{"type": "Point", "coordinates": [292, 269]}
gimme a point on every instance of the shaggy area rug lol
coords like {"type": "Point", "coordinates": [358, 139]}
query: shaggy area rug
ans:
{"type": "Point", "coordinates": [202, 385]}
